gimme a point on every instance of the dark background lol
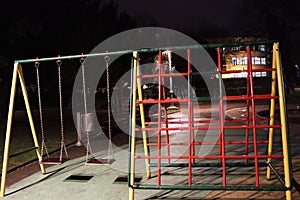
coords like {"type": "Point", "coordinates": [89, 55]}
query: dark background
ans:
{"type": "Point", "coordinates": [34, 28]}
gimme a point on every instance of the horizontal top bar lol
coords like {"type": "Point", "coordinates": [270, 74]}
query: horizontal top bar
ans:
{"type": "Point", "coordinates": [146, 50]}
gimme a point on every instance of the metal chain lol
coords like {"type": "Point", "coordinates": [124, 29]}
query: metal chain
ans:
{"type": "Point", "coordinates": [43, 146]}
{"type": "Point", "coordinates": [62, 144]}
{"type": "Point", "coordinates": [83, 85]}
{"type": "Point", "coordinates": [110, 149]}
{"type": "Point", "coordinates": [88, 145]}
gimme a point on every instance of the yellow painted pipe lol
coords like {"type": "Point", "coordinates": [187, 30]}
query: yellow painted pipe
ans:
{"type": "Point", "coordinates": [286, 164]}
{"type": "Point", "coordinates": [272, 113]}
{"type": "Point", "coordinates": [142, 114]}
{"type": "Point", "coordinates": [133, 124]}
{"type": "Point", "coordinates": [29, 114]}
{"type": "Point", "coordinates": [8, 129]}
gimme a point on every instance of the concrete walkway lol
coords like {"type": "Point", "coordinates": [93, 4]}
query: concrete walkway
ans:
{"type": "Point", "coordinates": [75, 180]}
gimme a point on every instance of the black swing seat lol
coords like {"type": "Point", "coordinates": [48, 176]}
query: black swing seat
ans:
{"type": "Point", "coordinates": [105, 161]}
{"type": "Point", "coordinates": [53, 161]}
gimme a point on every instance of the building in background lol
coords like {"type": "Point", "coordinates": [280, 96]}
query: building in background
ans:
{"type": "Point", "coordinates": [235, 58]}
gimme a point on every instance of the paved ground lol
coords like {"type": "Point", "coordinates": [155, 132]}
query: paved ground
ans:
{"type": "Point", "coordinates": [27, 183]}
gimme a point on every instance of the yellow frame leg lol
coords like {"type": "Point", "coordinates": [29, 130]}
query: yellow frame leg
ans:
{"type": "Point", "coordinates": [29, 114]}
{"type": "Point", "coordinates": [142, 113]}
{"type": "Point", "coordinates": [133, 133]}
{"type": "Point", "coordinates": [8, 129]}
{"type": "Point", "coordinates": [16, 72]}
{"type": "Point", "coordinates": [285, 149]}
{"type": "Point", "coordinates": [272, 113]}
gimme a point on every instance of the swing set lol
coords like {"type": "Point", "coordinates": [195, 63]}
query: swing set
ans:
{"type": "Point", "coordinates": [48, 159]}
{"type": "Point", "coordinates": [87, 119]}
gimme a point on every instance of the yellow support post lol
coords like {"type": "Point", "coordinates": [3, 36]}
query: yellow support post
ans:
{"type": "Point", "coordinates": [28, 110]}
{"type": "Point", "coordinates": [133, 124]}
{"type": "Point", "coordinates": [286, 163]}
{"type": "Point", "coordinates": [142, 114]}
{"type": "Point", "coordinates": [17, 72]}
{"type": "Point", "coordinates": [8, 129]}
{"type": "Point", "coordinates": [272, 113]}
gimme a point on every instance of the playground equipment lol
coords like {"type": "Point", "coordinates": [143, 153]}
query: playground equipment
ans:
{"type": "Point", "coordinates": [193, 169]}
{"type": "Point", "coordinates": [50, 160]}
{"type": "Point", "coordinates": [225, 160]}
{"type": "Point", "coordinates": [87, 119]}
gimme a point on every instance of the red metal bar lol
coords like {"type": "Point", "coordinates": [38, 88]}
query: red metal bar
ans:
{"type": "Point", "coordinates": [245, 119]}
{"type": "Point", "coordinates": [189, 145]}
{"type": "Point", "coordinates": [166, 122]}
{"type": "Point", "coordinates": [163, 96]}
{"type": "Point", "coordinates": [247, 115]}
{"type": "Point", "coordinates": [186, 73]}
{"type": "Point", "coordinates": [209, 143]}
{"type": "Point", "coordinates": [191, 110]}
{"type": "Point", "coordinates": [219, 60]}
{"type": "Point", "coordinates": [253, 116]}
{"type": "Point", "coordinates": [222, 133]}
{"type": "Point", "coordinates": [162, 75]}
{"type": "Point", "coordinates": [211, 157]}
{"type": "Point", "coordinates": [206, 121]}
{"type": "Point", "coordinates": [221, 130]}
{"type": "Point", "coordinates": [159, 120]}
{"type": "Point", "coordinates": [193, 131]}
{"type": "Point", "coordinates": [189, 124]}
{"type": "Point", "coordinates": [244, 97]}
{"type": "Point", "coordinates": [210, 127]}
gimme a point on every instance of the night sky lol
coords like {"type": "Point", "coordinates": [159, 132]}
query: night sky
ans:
{"type": "Point", "coordinates": [46, 28]}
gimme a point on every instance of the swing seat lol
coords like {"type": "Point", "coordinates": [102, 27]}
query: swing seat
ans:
{"type": "Point", "coordinates": [53, 161]}
{"type": "Point", "coordinates": [105, 161]}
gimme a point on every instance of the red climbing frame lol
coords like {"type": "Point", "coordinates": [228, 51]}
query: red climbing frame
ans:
{"type": "Point", "coordinates": [250, 124]}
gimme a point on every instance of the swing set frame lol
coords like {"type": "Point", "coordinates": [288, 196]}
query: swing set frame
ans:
{"type": "Point", "coordinates": [18, 74]}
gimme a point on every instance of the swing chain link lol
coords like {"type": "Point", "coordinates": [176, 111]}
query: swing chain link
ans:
{"type": "Point", "coordinates": [107, 59]}
{"type": "Point", "coordinates": [58, 62]}
{"type": "Point", "coordinates": [43, 145]}
{"type": "Point", "coordinates": [110, 149]}
{"type": "Point", "coordinates": [82, 60]}
{"type": "Point", "coordinates": [63, 146]}
{"type": "Point", "coordinates": [83, 84]}
{"type": "Point", "coordinates": [88, 145]}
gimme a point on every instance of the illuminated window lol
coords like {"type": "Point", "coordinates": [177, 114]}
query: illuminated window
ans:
{"type": "Point", "coordinates": [257, 60]}
{"type": "Point", "coordinates": [262, 47]}
{"type": "Point", "coordinates": [243, 61]}
{"type": "Point", "coordinates": [234, 61]}
{"type": "Point", "coordinates": [263, 61]}
{"type": "Point", "coordinates": [234, 48]}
